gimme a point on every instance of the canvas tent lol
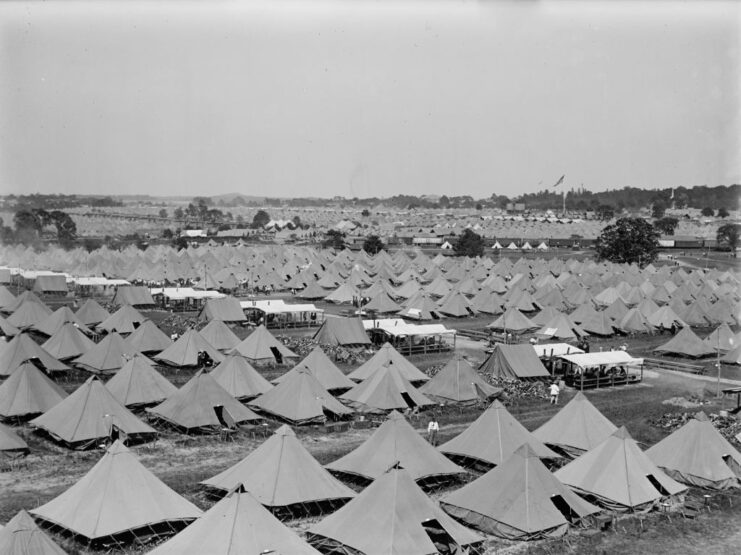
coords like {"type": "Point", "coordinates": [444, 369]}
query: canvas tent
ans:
{"type": "Point", "coordinates": [342, 331]}
{"type": "Point", "coordinates": [186, 350]}
{"type": "Point", "coordinates": [68, 342]}
{"type": "Point", "coordinates": [124, 321]}
{"type": "Point", "coordinates": [106, 357]}
{"type": "Point", "coordinates": [385, 390]}
{"type": "Point", "coordinates": [260, 347]}
{"type": "Point", "coordinates": [28, 392]}
{"type": "Point", "coordinates": [619, 476]}
{"type": "Point", "coordinates": [317, 363]}
{"type": "Point", "coordinates": [698, 455]}
{"type": "Point", "coordinates": [459, 383]}
{"type": "Point", "coordinates": [518, 500]}
{"type": "Point", "coordinates": [132, 295]}
{"type": "Point", "coordinates": [685, 343]}
{"type": "Point", "coordinates": [514, 361]}
{"type": "Point", "coordinates": [391, 516]}
{"type": "Point", "coordinates": [91, 313]}
{"type": "Point", "coordinates": [23, 349]}
{"type": "Point", "coordinates": [22, 536]}
{"type": "Point", "coordinates": [237, 524]}
{"type": "Point", "coordinates": [147, 339]}
{"type": "Point", "coordinates": [219, 335]}
{"type": "Point", "coordinates": [118, 502]}
{"type": "Point", "coordinates": [225, 309]}
{"type": "Point", "coordinates": [395, 441]}
{"type": "Point", "coordinates": [138, 384]}
{"type": "Point", "coordinates": [239, 378]}
{"type": "Point", "coordinates": [387, 354]}
{"type": "Point", "coordinates": [11, 445]}
{"type": "Point", "coordinates": [283, 476]}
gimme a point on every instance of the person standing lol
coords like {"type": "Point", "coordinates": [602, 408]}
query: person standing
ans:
{"type": "Point", "coordinates": [432, 430]}
{"type": "Point", "coordinates": [554, 390]}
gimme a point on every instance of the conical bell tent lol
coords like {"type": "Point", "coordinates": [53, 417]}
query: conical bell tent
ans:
{"type": "Point", "coordinates": [22, 536]}
{"type": "Point", "coordinates": [685, 343]}
{"type": "Point", "coordinates": [396, 441]}
{"type": "Point", "coordinates": [193, 407]}
{"type": "Point", "coordinates": [283, 476]}
{"type": "Point", "coordinates": [147, 339]}
{"type": "Point", "coordinates": [138, 384]}
{"type": "Point", "coordinates": [219, 335]}
{"type": "Point", "coordinates": [186, 350]}
{"type": "Point", "coordinates": [67, 343]}
{"type": "Point", "coordinates": [619, 476]}
{"type": "Point", "coordinates": [698, 455]}
{"type": "Point", "coordinates": [28, 392]}
{"type": "Point", "coordinates": [385, 390]}
{"type": "Point", "coordinates": [21, 349]}
{"type": "Point", "coordinates": [91, 313]}
{"type": "Point", "coordinates": [576, 428]}
{"type": "Point", "coordinates": [392, 516]}
{"type": "Point", "coordinates": [106, 357]}
{"type": "Point", "coordinates": [118, 502]}
{"type": "Point", "coordinates": [260, 347]}
{"type": "Point", "coordinates": [386, 354]}
{"type": "Point", "coordinates": [324, 370]}
{"type": "Point", "coordinates": [491, 439]}
{"type": "Point", "coordinates": [518, 500]}
{"type": "Point", "coordinates": [236, 525]}
{"type": "Point", "coordinates": [237, 376]}
{"type": "Point", "coordinates": [11, 445]}
{"type": "Point", "coordinates": [459, 383]}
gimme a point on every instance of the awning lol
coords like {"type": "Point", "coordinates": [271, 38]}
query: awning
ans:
{"type": "Point", "coordinates": [555, 349]}
{"type": "Point", "coordinates": [605, 358]}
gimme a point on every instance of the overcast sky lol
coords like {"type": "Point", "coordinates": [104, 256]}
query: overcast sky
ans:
{"type": "Point", "coordinates": [358, 98]}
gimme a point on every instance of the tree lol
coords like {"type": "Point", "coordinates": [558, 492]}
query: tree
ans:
{"type": "Point", "coordinates": [723, 213]}
{"type": "Point", "coordinates": [629, 240]}
{"type": "Point", "coordinates": [365, 213]}
{"type": "Point", "coordinates": [66, 228]}
{"type": "Point", "coordinates": [469, 244]}
{"type": "Point", "coordinates": [163, 213]}
{"type": "Point", "coordinates": [666, 225]}
{"type": "Point", "coordinates": [479, 206]}
{"type": "Point", "coordinates": [178, 213]}
{"type": "Point", "coordinates": [373, 244]}
{"type": "Point", "coordinates": [707, 212]}
{"type": "Point", "coordinates": [260, 219]}
{"type": "Point", "coordinates": [334, 239]}
{"type": "Point", "coordinates": [167, 233]}
{"type": "Point", "coordinates": [658, 209]}
{"type": "Point", "coordinates": [296, 222]}
{"type": "Point", "coordinates": [728, 235]}
{"type": "Point", "coordinates": [28, 226]}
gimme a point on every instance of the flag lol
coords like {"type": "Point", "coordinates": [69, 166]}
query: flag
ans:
{"type": "Point", "coordinates": [560, 180]}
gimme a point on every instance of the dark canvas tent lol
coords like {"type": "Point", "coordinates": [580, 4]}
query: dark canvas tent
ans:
{"type": "Point", "coordinates": [28, 392]}
{"type": "Point", "coordinates": [395, 441]}
{"type": "Point", "coordinates": [619, 476]}
{"type": "Point", "coordinates": [576, 428]}
{"type": "Point", "coordinates": [236, 524]}
{"type": "Point", "coordinates": [385, 390]}
{"type": "Point", "coordinates": [138, 384]}
{"type": "Point", "coordinates": [226, 309]}
{"type": "Point", "coordinates": [324, 370]}
{"type": "Point", "coordinates": [514, 361]}
{"type": "Point", "coordinates": [10, 444]}
{"type": "Point", "coordinates": [282, 475]}
{"type": "Point", "coordinates": [685, 343]}
{"type": "Point", "coordinates": [458, 382]}
{"type": "Point", "coordinates": [118, 501]}
{"type": "Point", "coordinates": [239, 378]}
{"type": "Point", "coordinates": [133, 295]}
{"type": "Point", "coordinates": [698, 455]}
{"type": "Point", "coordinates": [22, 536]}
{"type": "Point", "coordinates": [491, 439]}
{"type": "Point", "coordinates": [90, 415]}
{"type": "Point", "coordinates": [22, 349]}
{"type": "Point", "coordinates": [192, 407]}
{"type": "Point", "coordinates": [260, 347]}
{"type": "Point", "coordinates": [219, 335]}
{"type": "Point", "coordinates": [387, 354]}
{"type": "Point", "coordinates": [185, 351]}
{"type": "Point", "coordinates": [342, 331]}
{"type": "Point", "coordinates": [392, 516]}
{"type": "Point", "coordinates": [300, 399]}
{"type": "Point", "coordinates": [148, 339]}
{"type": "Point", "coordinates": [518, 500]}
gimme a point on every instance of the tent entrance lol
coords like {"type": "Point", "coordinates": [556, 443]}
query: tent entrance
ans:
{"type": "Point", "coordinates": [277, 355]}
{"type": "Point", "coordinates": [444, 542]}
{"type": "Point", "coordinates": [408, 400]}
{"type": "Point", "coordinates": [655, 483]}
{"type": "Point", "coordinates": [564, 508]}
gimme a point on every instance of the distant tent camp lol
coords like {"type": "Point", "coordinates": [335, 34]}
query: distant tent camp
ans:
{"type": "Point", "coordinates": [385, 354]}
{"type": "Point", "coordinates": [685, 343]}
{"type": "Point", "coordinates": [385, 390]}
{"type": "Point", "coordinates": [300, 399]}
{"type": "Point", "coordinates": [395, 441]}
{"type": "Point", "coordinates": [22, 536]}
{"type": "Point", "coordinates": [90, 415]}
{"type": "Point", "coordinates": [124, 321]}
{"type": "Point", "coordinates": [503, 433]}
{"type": "Point", "coordinates": [576, 428]}
{"type": "Point", "coordinates": [324, 370]}
{"type": "Point", "coordinates": [391, 516]}
{"type": "Point", "coordinates": [514, 361]}
{"type": "Point", "coordinates": [118, 502]}
{"type": "Point", "coordinates": [459, 383]}
{"type": "Point", "coordinates": [342, 331]}
{"type": "Point", "coordinates": [28, 392]}
{"type": "Point", "coordinates": [186, 350]}
{"type": "Point", "coordinates": [236, 524]}
{"type": "Point", "coordinates": [237, 376]}
{"type": "Point", "coordinates": [518, 500]}
{"type": "Point", "coordinates": [11, 445]}
{"type": "Point", "coordinates": [260, 347]}
{"type": "Point", "coordinates": [91, 313]}
{"type": "Point", "coordinates": [220, 335]}
{"type": "Point", "coordinates": [22, 349]}
{"type": "Point", "coordinates": [698, 455]}
{"type": "Point", "coordinates": [283, 476]}
{"type": "Point", "coordinates": [132, 295]}
{"type": "Point", "coordinates": [138, 384]}
{"type": "Point", "coordinates": [619, 476]}
{"type": "Point", "coordinates": [193, 408]}
{"type": "Point", "coordinates": [67, 343]}
{"type": "Point", "coordinates": [226, 309]}
{"type": "Point", "coordinates": [106, 357]}
{"type": "Point", "coordinates": [147, 339]}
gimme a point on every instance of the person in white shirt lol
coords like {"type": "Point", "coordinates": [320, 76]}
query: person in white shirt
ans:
{"type": "Point", "coordinates": [554, 393]}
{"type": "Point", "coordinates": [432, 429]}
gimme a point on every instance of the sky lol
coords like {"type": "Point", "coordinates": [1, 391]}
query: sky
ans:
{"type": "Point", "coordinates": [358, 98]}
